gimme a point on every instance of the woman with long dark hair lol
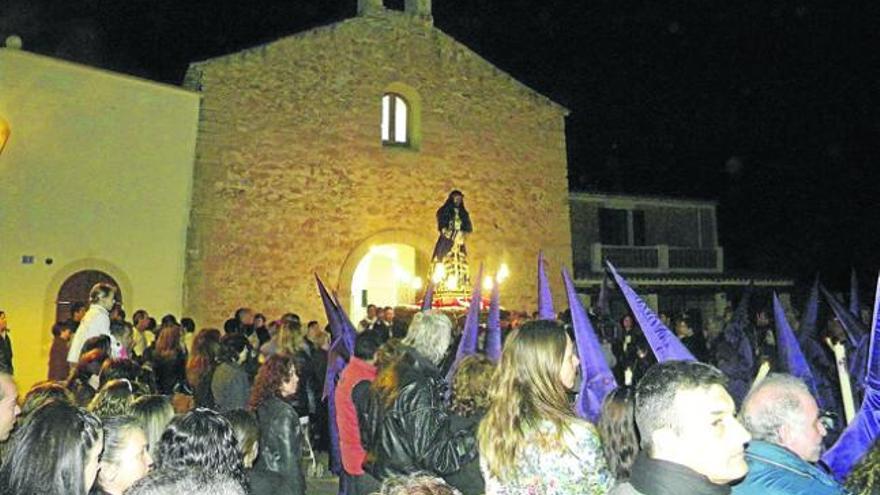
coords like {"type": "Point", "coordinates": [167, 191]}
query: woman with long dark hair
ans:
{"type": "Point", "coordinates": [617, 428]}
{"type": "Point", "coordinates": [280, 432]}
{"type": "Point", "coordinates": [247, 432]}
{"type": "Point", "coordinates": [231, 384]}
{"type": "Point", "coordinates": [200, 439]}
{"type": "Point", "coordinates": [56, 452]}
{"type": "Point", "coordinates": [200, 367]}
{"type": "Point", "coordinates": [169, 359]}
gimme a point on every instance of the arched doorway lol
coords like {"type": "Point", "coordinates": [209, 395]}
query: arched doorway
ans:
{"type": "Point", "coordinates": [387, 275]}
{"type": "Point", "coordinates": [76, 289]}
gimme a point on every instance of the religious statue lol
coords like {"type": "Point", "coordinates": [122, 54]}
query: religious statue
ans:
{"type": "Point", "coordinates": [449, 266]}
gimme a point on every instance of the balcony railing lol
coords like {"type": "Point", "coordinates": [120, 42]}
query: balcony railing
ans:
{"type": "Point", "coordinates": [657, 259]}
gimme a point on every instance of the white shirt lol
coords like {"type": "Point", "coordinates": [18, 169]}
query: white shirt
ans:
{"type": "Point", "coordinates": [95, 322]}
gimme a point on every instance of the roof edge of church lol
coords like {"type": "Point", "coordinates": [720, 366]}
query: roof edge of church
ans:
{"type": "Point", "coordinates": [197, 65]}
{"type": "Point", "coordinates": [263, 46]}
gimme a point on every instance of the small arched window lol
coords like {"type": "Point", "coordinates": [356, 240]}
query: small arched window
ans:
{"type": "Point", "coordinates": [395, 120]}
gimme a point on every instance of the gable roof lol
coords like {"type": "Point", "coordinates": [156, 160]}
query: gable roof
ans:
{"type": "Point", "coordinates": [385, 17]}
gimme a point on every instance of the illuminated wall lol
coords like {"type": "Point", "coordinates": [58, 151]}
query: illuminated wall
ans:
{"type": "Point", "coordinates": [386, 276]}
{"type": "Point", "coordinates": [96, 174]}
{"type": "Point", "coordinates": [292, 177]}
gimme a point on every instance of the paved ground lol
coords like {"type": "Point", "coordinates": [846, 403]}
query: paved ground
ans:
{"type": "Point", "coordinates": [327, 484]}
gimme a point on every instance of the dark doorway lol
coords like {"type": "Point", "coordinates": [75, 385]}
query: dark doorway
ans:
{"type": "Point", "coordinates": [77, 287]}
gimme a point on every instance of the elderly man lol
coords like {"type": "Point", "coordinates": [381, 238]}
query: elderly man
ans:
{"type": "Point", "coordinates": [691, 441]}
{"type": "Point", "coordinates": [787, 432]}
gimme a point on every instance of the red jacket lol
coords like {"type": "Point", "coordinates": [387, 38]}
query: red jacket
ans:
{"type": "Point", "coordinates": [350, 448]}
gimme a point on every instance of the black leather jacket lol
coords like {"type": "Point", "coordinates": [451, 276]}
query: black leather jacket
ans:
{"type": "Point", "coordinates": [415, 433]}
{"type": "Point", "coordinates": [281, 443]}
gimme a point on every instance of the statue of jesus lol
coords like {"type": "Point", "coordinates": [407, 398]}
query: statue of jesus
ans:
{"type": "Point", "coordinates": [449, 266]}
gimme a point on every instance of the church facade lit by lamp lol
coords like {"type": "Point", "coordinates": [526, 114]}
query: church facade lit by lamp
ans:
{"type": "Point", "coordinates": [326, 152]}
{"type": "Point", "coordinates": [329, 152]}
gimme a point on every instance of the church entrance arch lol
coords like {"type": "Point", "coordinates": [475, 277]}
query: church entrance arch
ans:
{"type": "Point", "coordinates": [76, 289]}
{"type": "Point", "coordinates": [388, 268]}
{"type": "Point", "coordinates": [385, 276]}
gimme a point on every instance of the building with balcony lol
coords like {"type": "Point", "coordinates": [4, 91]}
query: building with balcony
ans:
{"type": "Point", "coordinates": [667, 248]}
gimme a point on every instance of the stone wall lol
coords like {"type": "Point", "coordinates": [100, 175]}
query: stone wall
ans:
{"type": "Point", "coordinates": [292, 179]}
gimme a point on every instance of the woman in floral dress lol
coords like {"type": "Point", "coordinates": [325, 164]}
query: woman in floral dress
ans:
{"type": "Point", "coordinates": [531, 442]}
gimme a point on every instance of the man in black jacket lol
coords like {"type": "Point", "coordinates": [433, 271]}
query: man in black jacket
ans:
{"type": "Point", "coordinates": [691, 440]}
{"type": "Point", "coordinates": [311, 366]}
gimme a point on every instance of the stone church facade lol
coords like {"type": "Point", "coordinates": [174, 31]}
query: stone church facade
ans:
{"type": "Point", "coordinates": [293, 177]}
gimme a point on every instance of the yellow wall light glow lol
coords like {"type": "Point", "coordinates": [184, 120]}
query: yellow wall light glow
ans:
{"type": "Point", "coordinates": [4, 134]}
{"type": "Point", "coordinates": [100, 137]}
{"type": "Point", "coordinates": [503, 273]}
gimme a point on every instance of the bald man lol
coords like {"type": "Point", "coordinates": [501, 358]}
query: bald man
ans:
{"type": "Point", "coordinates": [787, 433]}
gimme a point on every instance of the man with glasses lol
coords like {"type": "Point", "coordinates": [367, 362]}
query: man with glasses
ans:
{"type": "Point", "coordinates": [787, 430]}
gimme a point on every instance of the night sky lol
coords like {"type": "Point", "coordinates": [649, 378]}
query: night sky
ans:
{"type": "Point", "coordinates": [770, 107]}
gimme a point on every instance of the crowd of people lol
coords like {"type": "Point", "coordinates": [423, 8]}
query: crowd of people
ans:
{"type": "Point", "coordinates": [146, 407]}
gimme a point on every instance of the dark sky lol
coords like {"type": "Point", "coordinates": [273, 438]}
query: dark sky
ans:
{"type": "Point", "coordinates": [770, 107]}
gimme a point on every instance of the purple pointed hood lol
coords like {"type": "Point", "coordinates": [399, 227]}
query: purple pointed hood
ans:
{"type": "Point", "coordinates": [493, 327]}
{"type": "Point", "coordinates": [736, 328]}
{"type": "Point", "coordinates": [596, 377]}
{"type": "Point", "coordinates": [343, 335]}
{"type": "Point", "coordinates": [349, 332]}
{"type": "Point", "coordinates": [545, 299]}
{"type": "Point", "coordinates": [816, 353]}
{"type": "Point", "coordinates": [855, 307]}
{"type": "Point", "coordinates": [428, 301]}
{"type": "Point", "coordinates": [854, 329]}
{"type": "Point", "coordinates": [790, 354]}
{"type": "Point", "coordinates": [330, 310]}
{"type": "Point", "coordinates": [663, 342]}
{"type": "Point", "coordinates": [470, 334]}
{"type": "Point", "coordinates": [735, 356]}
{"type": "Point", "coordinates": [863, 432]}
{"type": "Point", "coordinates": [336, 361]}
{"type": "Point", "coordinates": [603, 304]}
{"type": "Point", "coordinates": [810, 315]}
